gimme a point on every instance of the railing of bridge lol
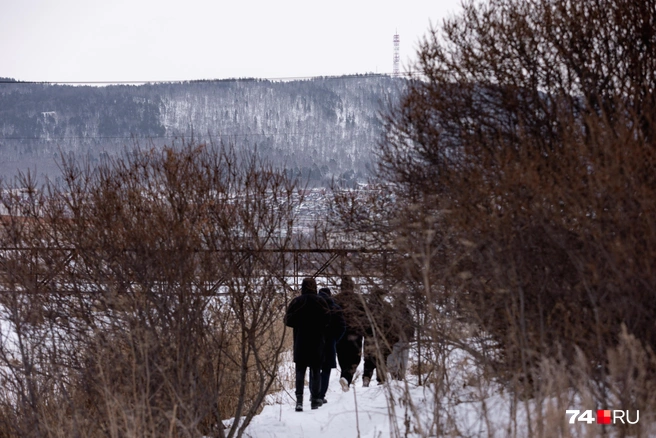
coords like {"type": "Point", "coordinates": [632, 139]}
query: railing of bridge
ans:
{"type": "Point", "coordinates": [293, 265]}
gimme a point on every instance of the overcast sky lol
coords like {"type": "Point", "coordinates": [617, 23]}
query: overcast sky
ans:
{"type": "Point", "coordinates": [146, 40]}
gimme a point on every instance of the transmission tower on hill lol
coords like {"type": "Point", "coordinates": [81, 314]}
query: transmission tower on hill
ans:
{"type": "Point", "coordinates": [396, 72]}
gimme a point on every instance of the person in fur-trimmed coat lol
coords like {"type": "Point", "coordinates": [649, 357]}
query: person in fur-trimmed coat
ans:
{"type": "Point", "coordinates": [379, 336]}
{"type": "Point", "coordinates": [404, 333]}
{"type": "Point", "coordinates": [309, 316]}
{"type": "Point", "coordinates": [349, 348]}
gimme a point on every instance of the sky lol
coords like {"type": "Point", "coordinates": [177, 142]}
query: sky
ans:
{"type": "Point", "coordinates": [167, 40]}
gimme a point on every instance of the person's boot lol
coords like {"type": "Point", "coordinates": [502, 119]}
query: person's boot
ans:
{"type": "Point", "coordinates": [344, 383]}
{"type": "Point", "coordinates": [299, 403]}
{"type": "Point", "coordinates": [316, 403]}
{"type": "Point", "coordinates": [365, 382]}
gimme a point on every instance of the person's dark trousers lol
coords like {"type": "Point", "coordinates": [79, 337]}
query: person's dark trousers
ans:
{"type": "Point", "coordinates": [371, 361]}
{"type": "Point", "coordinates": [325, 380]}
{"type": "Point", "coordinates": [370, 364]}
{"type": "Point", "coordinates": [349, 354]}
{"type": "Point", "coordinates": [315, 381]}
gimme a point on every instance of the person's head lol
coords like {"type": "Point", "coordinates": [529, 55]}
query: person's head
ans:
{"type": "Point", "coordinates": [347, 284]}
{"type": "Point", "coordinates": [324, 291]}
{"type": "Point", "coordinates": [309, 286]}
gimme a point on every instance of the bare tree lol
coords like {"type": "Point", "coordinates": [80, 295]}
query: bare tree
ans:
{"type": "Point", "coordinates": [520, 162]}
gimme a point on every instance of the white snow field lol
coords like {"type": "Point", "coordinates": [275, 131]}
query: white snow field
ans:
{"type": "Point", "coordinates": [341, 417]}
{"type": "Point", "coordinates": [365, 412]}
{"type": "Point", "coordinates": [467, 409]}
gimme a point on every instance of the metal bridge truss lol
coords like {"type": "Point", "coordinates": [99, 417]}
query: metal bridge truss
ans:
{"type": "Point", "coordinates": [305, 262]}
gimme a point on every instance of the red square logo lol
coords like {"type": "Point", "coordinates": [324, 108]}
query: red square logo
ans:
{"type": "Point", "coordinates": [603, 416]}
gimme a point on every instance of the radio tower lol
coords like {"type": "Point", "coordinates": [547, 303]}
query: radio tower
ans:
{"type": "Point", "coordinates": [396, 72]}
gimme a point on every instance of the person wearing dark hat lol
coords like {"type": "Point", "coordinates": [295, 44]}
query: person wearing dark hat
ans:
{"type": "Point", "coordinates": [349, 348]}
{"type": "Point", "coordinates": [309, 316]}
{"type": "Point", "coordinates": [336, 329]}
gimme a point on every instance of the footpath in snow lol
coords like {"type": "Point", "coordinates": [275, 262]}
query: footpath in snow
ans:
{"type": "Point", "coordinates": [339, 418]}
{"type": "Point", "coordinates": [467, 410]}
{"type": "Point", "coordinates": [365, 412]}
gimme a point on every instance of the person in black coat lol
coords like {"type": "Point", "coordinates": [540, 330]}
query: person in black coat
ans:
{"type": "Point", "coordinates": [309, 316]}
{"type": "Point", "coordinates": [336, 329]}
{"type": "Point", "coordinates": [349, 348]}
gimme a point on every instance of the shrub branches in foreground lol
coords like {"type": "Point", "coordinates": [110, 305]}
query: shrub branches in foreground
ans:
{"type": "Point", "coordinates": [142, 298]}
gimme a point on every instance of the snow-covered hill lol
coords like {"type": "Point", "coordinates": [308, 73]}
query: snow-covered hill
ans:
{"type": "Point", "coordinates": [319, 128]}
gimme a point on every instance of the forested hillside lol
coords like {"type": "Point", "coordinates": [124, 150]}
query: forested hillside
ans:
{"type": "Point", "coordinates": [319, 128]}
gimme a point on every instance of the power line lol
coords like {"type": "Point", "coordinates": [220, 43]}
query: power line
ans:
{"type": "Point", "coordinates": [204, 81]}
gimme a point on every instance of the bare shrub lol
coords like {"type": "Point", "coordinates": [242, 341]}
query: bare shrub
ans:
{"type": "Point", "coordinates": [142, 297]}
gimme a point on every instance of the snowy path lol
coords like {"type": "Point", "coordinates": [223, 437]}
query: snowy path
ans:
{"type": "Point", "coordinates": [336, 419]}
{"type": "Point", "coordinates": [467, 409]}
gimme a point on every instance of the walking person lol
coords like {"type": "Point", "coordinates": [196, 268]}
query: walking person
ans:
{"type": "Point", "coordinates": [309, 316]}
{"type": "Point", "coordinates": [378, 337]}
{"type": "Point", "coordinates": [404, 333]}
{"type": "Point", "coordinates": [336, 329]}
{"type": "Point", "coordinates": [349, 347]}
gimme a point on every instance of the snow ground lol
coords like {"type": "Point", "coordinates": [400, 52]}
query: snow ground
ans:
{"type": "Point", "coordinates": [468, 410]}
{"type": "Point", "coordinates": [338, 418]}
{"type": "Point", "coordinates": [365, 412]}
